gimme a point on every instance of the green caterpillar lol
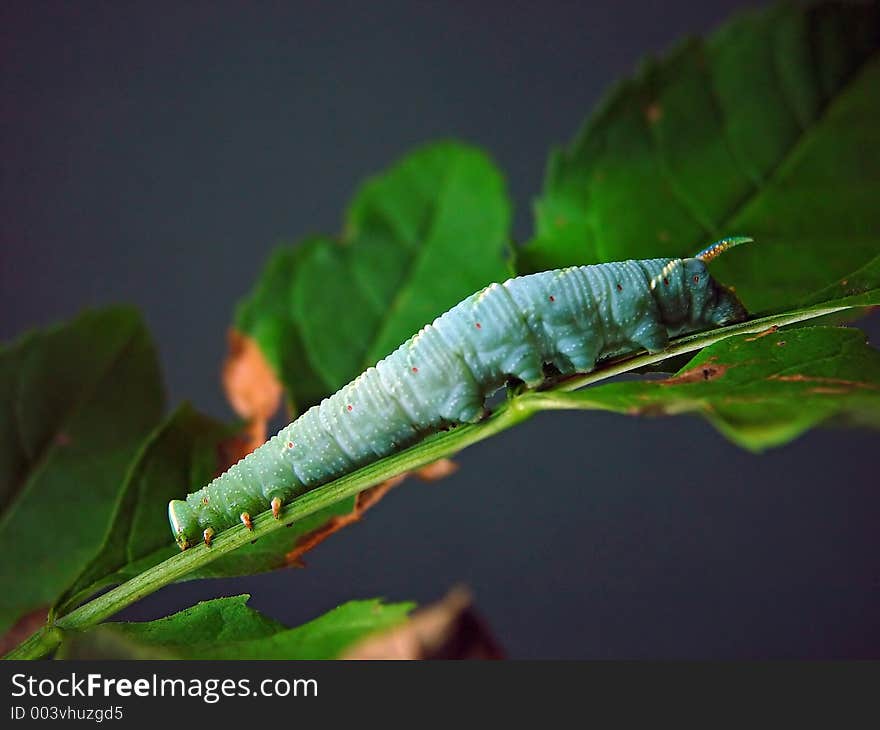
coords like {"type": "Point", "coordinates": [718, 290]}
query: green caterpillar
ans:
{"type": "Point", "coordinates": [564, 320]}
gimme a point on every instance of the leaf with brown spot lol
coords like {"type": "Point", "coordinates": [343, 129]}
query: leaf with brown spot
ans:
{"type": "Point", "coordinates": [757, 393]}
{"type": "Point", "coordinates": [763, 333]}
{"type": "Point", "coordinates": [801, 378]}
{"type": "Point", "coordinates": [437, 470]}
{"type": "Point", "coordinates": [653, 113]}
{"type": "Point", "coordinates": [448, 629]}
{"type": "Point", "coordinates": [708, 370]}
{"type": "Point", "coordinates": [251, 385]}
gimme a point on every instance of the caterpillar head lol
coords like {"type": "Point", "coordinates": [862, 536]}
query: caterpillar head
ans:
{"type": "Point", "coordinates": [712, 303]}
{"type": "Point", "coordinates": [183, 524]}
{"type": "Point", "coordinates": [727, 308]}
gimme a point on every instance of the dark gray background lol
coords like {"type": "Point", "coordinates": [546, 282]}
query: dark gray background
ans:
{"type": "Point", "coordinates": [154, 153]}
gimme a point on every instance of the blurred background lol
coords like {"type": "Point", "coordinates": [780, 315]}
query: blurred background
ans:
{"type": "Point", "coordinates": [155, 153]}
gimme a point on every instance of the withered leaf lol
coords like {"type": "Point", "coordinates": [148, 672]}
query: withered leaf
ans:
{"type": "Point", "coordinates": [448, 629]}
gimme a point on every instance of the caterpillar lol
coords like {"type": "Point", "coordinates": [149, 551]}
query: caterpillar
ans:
{"type": "Point", "coordinates": [529, 329]}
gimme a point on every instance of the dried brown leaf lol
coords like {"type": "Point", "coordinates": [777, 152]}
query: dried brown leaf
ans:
{"type": "Point", "coordinates": [449, 629]}
{"type": "Point", "coordinates": [251, 386]}
{"type": "Point", "coordinates": [437, 470]}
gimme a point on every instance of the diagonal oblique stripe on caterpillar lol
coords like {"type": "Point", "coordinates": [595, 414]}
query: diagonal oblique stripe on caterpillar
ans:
{"type": "Point", "coordinates": [564, 321]}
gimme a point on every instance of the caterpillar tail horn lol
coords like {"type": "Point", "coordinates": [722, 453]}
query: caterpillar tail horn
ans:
{"type": "Point", "coordinates": [714, 250]}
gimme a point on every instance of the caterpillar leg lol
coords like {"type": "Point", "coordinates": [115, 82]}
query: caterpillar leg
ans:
{"type": "Point", "coordinates": [463, 404]}
{"type": "Point", "coordinates": [527, 367]}
{"type": "Point", "coordinates": [472, 414]}
{"type": "Point", "coordinates": [533, 379]}
{"type": "Point", "coordinates": [652, 336]}
{"type": "Point", "coordinates": [558, 367]}
{"type": "Point", "coordinates": [579, 351]}
{"type": "Point", "coordinates": [276, 507]}
{"type": "Point", "coordinates": [208, 536]}
{"type": "Point", "coordinates": [583, 362]}
{"type": "Point", "coordinates": [246, 521]}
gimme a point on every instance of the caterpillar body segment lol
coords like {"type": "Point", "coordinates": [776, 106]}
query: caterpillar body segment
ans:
{"type": "Point", "coordinates": [569, 319]}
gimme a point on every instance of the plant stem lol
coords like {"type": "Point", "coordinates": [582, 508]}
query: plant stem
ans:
{"type": "Point", "coordinates": [514, 411]}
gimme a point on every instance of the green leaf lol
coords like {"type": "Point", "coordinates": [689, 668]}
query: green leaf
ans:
{"type": "Point", "coordinates": [761, 390]}
{"type": "Point", "coordinates": [861, 286]}
{"type": "Point", "coordinates": [768, 128]}
{"type": "Point", "coordinates": [418, 238]}
{"type": "Point", "coordinates": [76, 401]}
{"type": "Point", "coordinates": [226, 628]}
{"type": "Point", "coordinates": [181, 455]}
